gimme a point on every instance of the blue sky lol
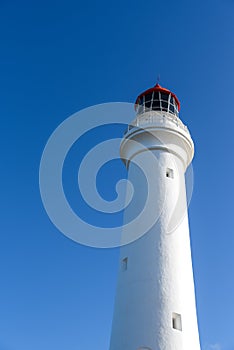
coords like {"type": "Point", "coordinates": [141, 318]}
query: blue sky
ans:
{"type": "Point", "coordinates": [58, 57]}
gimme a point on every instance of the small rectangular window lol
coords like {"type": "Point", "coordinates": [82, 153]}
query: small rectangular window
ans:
{"type": "Point", "coordinates": [176, 321]}
{"type": "Point", "coordinates": [164, 105]}
{"type": "Point", "coordinates": [156, 95]}
{"type": "Point", "coordinates": [170, 173]}
{"type": "Point", "coordinates": [148, 104]}
{"type": "Point", "coordinates": [148, 97]}
{"type": "Point", "coordinates": [156, 104]}
{"type": "Point", "coordinates": [124, 264]}
{"type": "Point", "coordinates": [164, 97]}
{"type": "Point", "coordinates": [172, 108]}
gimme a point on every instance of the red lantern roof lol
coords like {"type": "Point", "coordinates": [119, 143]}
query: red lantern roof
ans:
{"type": "Point", "coordinates": [159, 88]}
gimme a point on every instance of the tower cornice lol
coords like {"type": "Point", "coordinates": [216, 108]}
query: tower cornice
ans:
{"type": "Point", "coordinates": [156, 130]}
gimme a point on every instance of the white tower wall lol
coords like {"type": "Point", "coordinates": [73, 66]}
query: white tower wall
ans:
{"type": "Point", "coordinates": [155, 282]}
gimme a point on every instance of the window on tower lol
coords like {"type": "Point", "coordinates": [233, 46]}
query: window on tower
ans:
{"type": "Point", "coordinates": [156, 95]}
{"type": "Point", "coordinates": [164, 106]}
{"type": "Point", "coordinates": [147, 104]}
{"type": "Point", "coordinates": [176, 321]}
{"type": "Point", "coordinates": [156, 105]}
{"type": "Point", "coordinates": [170, 173]}
{"type": "Point", "coordinates": [148, 101]}
{"type": "Point", "coordinates": [125, 264]}
{"type": "Point", "coordinates": [148, 97]}
{"type": "Point", "coordinates": [172, 108]}
{"type": "Point", "coordinates": [164, 96]}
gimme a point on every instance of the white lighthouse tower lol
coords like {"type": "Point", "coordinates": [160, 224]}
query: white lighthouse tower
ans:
{"type": "Point", "coordinates": [155, 301]}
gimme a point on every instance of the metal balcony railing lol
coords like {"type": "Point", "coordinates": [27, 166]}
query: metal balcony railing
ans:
{"type": "Point", "coordinates": [152, 118]}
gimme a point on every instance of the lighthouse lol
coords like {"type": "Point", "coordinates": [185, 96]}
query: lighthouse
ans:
{"type": "Point", "coordinates": [155, 306]}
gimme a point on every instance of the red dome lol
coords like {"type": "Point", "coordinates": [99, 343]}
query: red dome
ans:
{"type": "Point", "coordinates": [159, 88]}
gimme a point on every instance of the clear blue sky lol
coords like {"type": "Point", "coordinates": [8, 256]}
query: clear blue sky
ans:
{"type": "Point", "coordinates": [58, 57]}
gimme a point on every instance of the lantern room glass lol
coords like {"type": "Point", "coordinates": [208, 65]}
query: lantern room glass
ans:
{"type": "Point", "coordinates": [157, 101]}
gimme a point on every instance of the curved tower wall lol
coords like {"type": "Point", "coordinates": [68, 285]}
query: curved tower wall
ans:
{"type": "Point", "coordinates": [155, 301]}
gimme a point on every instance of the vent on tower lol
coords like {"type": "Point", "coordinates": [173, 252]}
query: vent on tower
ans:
{"type": "Point", "coordinates": [176, 321]}
{"type": "Point", "coordinates": [170, 173]}
{"type": "Point", "coordinates": [124, 264]}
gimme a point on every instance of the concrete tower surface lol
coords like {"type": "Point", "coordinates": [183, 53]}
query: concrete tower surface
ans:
{"type": "Point", "coordinates": [155, 305]}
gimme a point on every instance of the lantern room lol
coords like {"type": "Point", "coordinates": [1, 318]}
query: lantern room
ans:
{"type": "Point", "coordinates": [157, 99]}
